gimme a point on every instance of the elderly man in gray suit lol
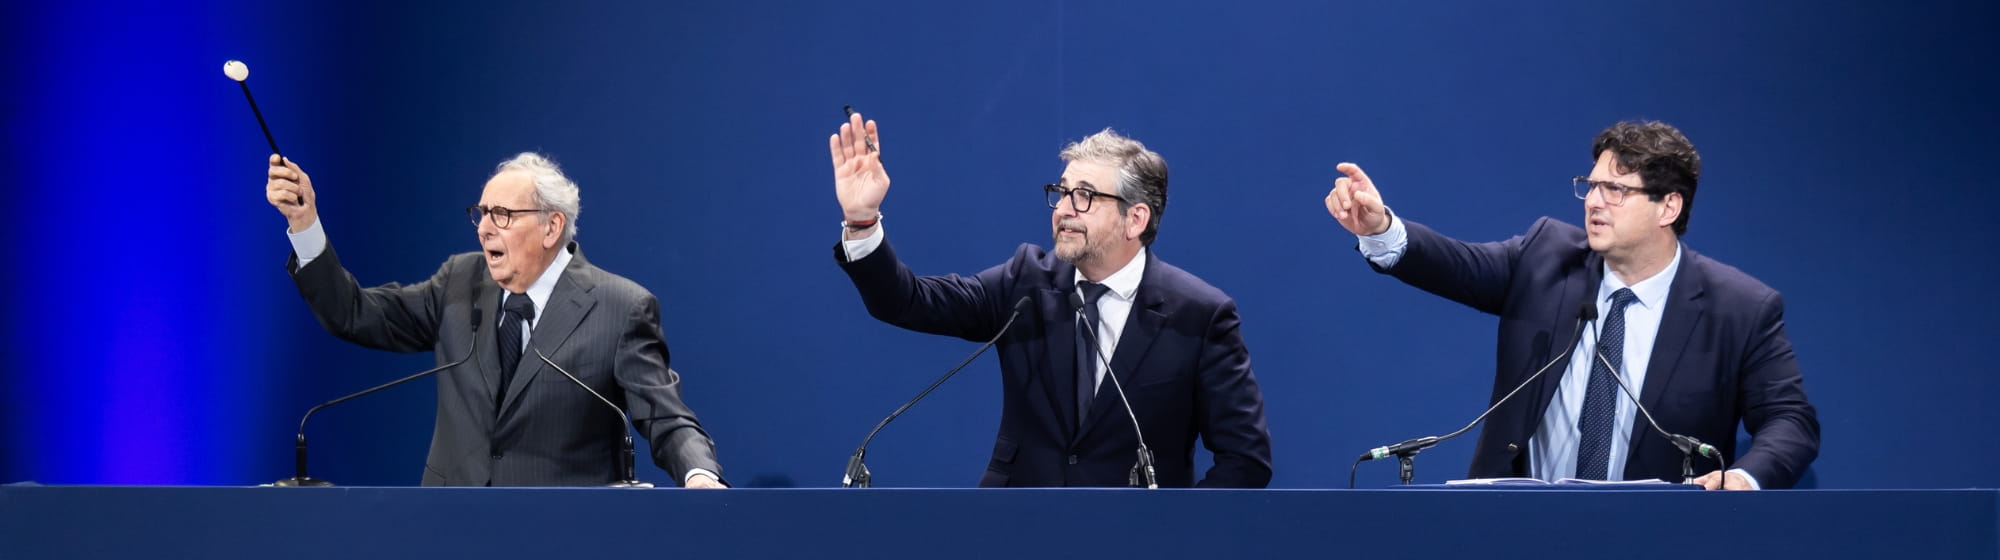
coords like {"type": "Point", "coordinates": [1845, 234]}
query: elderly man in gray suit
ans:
{"type": "Point", "coordinates": [506, 418]}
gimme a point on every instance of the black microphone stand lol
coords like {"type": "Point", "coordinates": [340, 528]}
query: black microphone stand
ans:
{"type": "Point", "coordinates": [627, 476]}
{"type": "Point", "coordinates": [857, 475]}
{"type": "Point", "coordinates": [299, 477]}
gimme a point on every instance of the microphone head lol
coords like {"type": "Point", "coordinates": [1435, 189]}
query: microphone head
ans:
{"type": "Point", "coordinates": [476, 316]}
{"type": "Point", "coordinates": [1589, 310]}
{"type": "Point", "coordinates": [1076, 301]}
{"type": "Point", "coordinates": [236, 70]}
{"type": "Point", "coordinates": [1022, 303]}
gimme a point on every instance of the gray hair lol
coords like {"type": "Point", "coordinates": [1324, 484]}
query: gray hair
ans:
{"type": "Point", "coordinates": [553, 190]}
{"type": "Point", "coordinates": [1142, 174]}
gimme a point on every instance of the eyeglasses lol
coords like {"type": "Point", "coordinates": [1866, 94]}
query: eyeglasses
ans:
{"type": "Point", "coordinates": [1614, 193]}
{"type": "Point", "coordinates": [502, 216]}
{"type": "Point", "coordinates": [1079, 198]}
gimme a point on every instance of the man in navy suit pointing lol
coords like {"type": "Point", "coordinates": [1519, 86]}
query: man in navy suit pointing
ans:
{"type": "Point", "coordinates": [1700, 343]}
{"type": "Point", "coordinates": [1172, 340]}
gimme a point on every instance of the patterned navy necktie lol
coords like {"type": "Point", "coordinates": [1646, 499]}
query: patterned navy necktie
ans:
{"type": "Point", "coordinates": [517, 310]}
{"type": "Point", "coordinates": [1600, 401]}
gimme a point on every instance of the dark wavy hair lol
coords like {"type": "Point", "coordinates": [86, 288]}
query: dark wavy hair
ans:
{"type": "Point", "coordinates": [1663, 157]}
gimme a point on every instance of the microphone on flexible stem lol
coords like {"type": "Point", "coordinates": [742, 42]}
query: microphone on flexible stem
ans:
{"type": "Point", "coordinates": [1688, 445]}
{"type": "Point", "coordinates": [1406, 450]}
{"type": "Point", "coordinates": [1142, 472]}
{"type": "Point", "coordinates": [625, 469]}
{"type": "Point", "coordinates": [299, 477]}
{"type": "Point", "coordinates": [857, 475]}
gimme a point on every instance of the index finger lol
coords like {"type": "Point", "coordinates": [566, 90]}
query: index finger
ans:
{"type": "Point", "coordinates": [1361, 181]}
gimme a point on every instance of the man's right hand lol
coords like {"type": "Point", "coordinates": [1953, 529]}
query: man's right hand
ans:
{"type": "Point", "coordinates": [858, 178]}
{"type": "Point", "coordinates": [287, 185]}
{"type": "Point", "coordinates": [1356, 204]}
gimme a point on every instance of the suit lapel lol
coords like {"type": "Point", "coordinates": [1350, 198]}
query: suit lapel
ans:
{"type": "Point", "coordinates": [485, 303]}
{"type": "Point", "coordinates": [1142, 327]}
{"type": "Point", "coordinates": [1683, 314]}
{"type": "Point", "coordinates": [568, 305]}
{"type": "Point", "coordinates": [1060, 375]}
{"type": "Point", "coordinates": [1579, 287]}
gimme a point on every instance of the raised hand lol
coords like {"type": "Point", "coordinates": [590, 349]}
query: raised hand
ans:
{"type": "Point", "coordinates": [1356, 204]}
{"type": "Point", "coordinates": [858, 178]}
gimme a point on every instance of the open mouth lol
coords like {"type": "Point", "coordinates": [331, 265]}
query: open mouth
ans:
{"type": "Point", "coordinates": [495, 254]}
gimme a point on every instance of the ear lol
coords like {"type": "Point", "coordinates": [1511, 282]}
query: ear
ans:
{"type": "Point", "coordinates": [1140, 214]}
{"type": "Point", "coordinates": [552, 230]}
{"type": "Point", "coordinates": [1670, 210]}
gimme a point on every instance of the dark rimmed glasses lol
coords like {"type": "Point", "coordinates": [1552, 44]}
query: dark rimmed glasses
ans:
{"type": "Point", "coordinates": [1079, 198]}
{"type": "Point", "coordinates": [502, 216]}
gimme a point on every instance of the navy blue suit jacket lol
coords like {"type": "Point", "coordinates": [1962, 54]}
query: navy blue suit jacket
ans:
{"type": "Point", "coordinates": [1721, 354]}
{"type": "Point", "coordinates": [1181, 359]}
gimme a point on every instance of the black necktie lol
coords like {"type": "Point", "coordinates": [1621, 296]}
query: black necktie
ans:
{"type": "Point", "coordinates": [1600, 400]}
{"type": "Point", "coordinates": [1086, 347]}
{"type": "Point", "coordinates": [517, 310]}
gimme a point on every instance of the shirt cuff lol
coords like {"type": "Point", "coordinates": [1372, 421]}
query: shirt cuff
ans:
{"type": "Point", "coordinates": [1385, 248]}
{"type": "Point", "coordinates": [857, 249]}
{"type": "Point", "coordinates": [309, 244]}
{"type": "Point", "coordinates": [696, 471]}
{"type": "Point", "coordinates": [1747, 478]}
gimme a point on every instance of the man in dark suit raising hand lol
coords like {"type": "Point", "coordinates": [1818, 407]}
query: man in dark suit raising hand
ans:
{"type": "Point", "coordinates": [505, 418]}
{"type": "Point", "coordinates": [1173, 341]}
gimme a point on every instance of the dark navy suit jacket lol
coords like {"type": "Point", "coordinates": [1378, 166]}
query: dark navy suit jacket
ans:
{"type": "Point", "coordinates": [1721, 354]}
{"type": "Point", "coordinates": [1181, 359]}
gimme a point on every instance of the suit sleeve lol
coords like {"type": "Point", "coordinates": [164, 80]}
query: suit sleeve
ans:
{"type": "Point", "coordinates": [1475, 274]}
{"type": "Point", "coordinates": [952, 305]}
{"type": "Point", "coordinates": [1230, 407]}
{"type": "Point", "coordinates": [389, 317]}
{"type": "Point", "coordinates": [1784, 428]}
{"type": "Point", "coordinates": [653, 396]}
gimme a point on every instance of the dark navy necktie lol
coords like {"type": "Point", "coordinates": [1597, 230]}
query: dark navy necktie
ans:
{"type": "Point", "coordinates": [516, 312]}
{"type": "Point", "coordinates": [1086, 347]}
{"type": "Point", "coordinates": [1600, 401]}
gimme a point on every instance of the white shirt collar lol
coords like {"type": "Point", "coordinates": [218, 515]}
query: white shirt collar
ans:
{"type": "Point", "coordinates": [1650, 292]}
{"type": "Point", "coordinates": [545, 285]}
{"type": "Point", "coordinates": [1125, 282]}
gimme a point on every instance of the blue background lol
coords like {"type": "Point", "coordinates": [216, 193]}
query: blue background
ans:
{"type": "Point", "coordinates": [152, 335]}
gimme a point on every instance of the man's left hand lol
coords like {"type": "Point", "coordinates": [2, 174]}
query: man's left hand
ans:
{"type": "Point", "coordinates": [704, 481]}
{"type": "Point", "coordinates": [1717, 479]}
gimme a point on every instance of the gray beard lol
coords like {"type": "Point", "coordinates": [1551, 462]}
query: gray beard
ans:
{"type": "Point", "coordinates": [1079, 255]}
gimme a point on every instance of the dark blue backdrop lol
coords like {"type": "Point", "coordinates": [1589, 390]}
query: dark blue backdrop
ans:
{"type": "Point", "coordinates": [152, 335]}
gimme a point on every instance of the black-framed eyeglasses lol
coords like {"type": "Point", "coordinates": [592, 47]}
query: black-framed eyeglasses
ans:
{"type": "Point", "coordinates": [1614, 193]}
{"type": "Point", "coordinates": [502, 216]}
{"type": "Point", "coordinates": [1079, 198]}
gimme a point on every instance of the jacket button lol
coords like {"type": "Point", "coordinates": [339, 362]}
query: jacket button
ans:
{"type": "Point", "coordinates": [1512, 448]}
{"type": "Point", "coordinates": [1072, 459]}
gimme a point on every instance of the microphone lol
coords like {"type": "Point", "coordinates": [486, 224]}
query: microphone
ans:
{"type": "Point", "coordinates": [1409, 448]}
{"type": "Point", "coordinates": [1142, 472]}
{"type": "Point", "coordinates": [299, 477]}
{"type": "Point", "coordinates": [625, 448]}
{"type": "Point", "coordinates": [857, 471]}
{"type": "Point", "coordinates": [1688, 445]}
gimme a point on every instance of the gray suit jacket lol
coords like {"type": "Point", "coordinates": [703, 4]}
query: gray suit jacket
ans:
{"type": "Point", "coordinates": [601, 327]}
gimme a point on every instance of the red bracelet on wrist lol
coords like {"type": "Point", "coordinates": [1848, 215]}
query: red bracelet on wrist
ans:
{"type": "Point", "coordinates": [857, 226]}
